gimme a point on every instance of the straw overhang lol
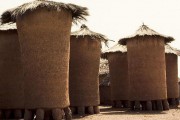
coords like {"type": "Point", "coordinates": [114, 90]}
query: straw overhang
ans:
{"type": "Point", "coordinates": [171, 50]}
{"type": "Point", "coordinates": [8, 26]}
{"type": "Point", "coordinates": [85, 31]}
{"type": "Point", "coordinates": [78, 12]}
{"type": "Point", "coordinates": [116, 48]}
{"type": "Point", "coordinates": [145, 31]}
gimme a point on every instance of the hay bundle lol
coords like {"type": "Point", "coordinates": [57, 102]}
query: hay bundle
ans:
{"type": "Point", "coordinates": [84, 67]}
{"type": "Point", "coordinates": [146, 66]}
{"type": "Point", "coordinates": [117, 58]}
{"type": "Point", "coordinates": [44, 34]}
{"type": "Point", "coordinates": [11, 82]}
{"type": "Point", "coordinates": [172, 73]}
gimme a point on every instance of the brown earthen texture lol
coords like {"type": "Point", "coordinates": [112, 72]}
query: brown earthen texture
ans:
{"type": "Point", "coordinates": [45, 40]}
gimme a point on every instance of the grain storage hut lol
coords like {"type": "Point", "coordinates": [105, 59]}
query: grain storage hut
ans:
{"type": "Point", "coordinates": [105, 91]}
{"type": "Point", "coordinates": [117, 58]}
{"type": "Point", "coordinates": [172, 75]}
{"type": "Point", "coordinates": [84, 69]}
{"type": "Point", "coordinates": [44, 33]}
{"type": "Point", "coordinates": [11, 82]}
{"type": "Point", "coordinates": [146, 69]}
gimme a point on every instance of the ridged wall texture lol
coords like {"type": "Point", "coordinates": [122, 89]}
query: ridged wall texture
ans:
{"type": "Point", "coordinates": [119, 75]}
{"type": "Point", "coordinates": [45, 40]}
{"type": "Point", "coordinates": [84, 68]}
{"type": "Point", "coordinates": [147, 68]}
{"type": "Point", "coordinates": [172, 76]}
{"type": "Point", "coordinates": [11, 82]}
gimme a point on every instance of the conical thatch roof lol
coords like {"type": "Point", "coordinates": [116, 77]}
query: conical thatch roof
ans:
{"type": "Point", "coordinates": [145, 31]}
{"type": "Point", "coordinates": [105, 81]}
{"type": "Point", "coordinates": [114, 49]}
{"type": "Point", "coordinates": [103, 67]}
{"type": "Point", "coordinates": [78, 12]}
{"type": "Point", "coordinates": [8, 26]}
{"type": "Point", "coordinates": [84, 31]}
{"type": "Point", "coordinates": [169, 49]}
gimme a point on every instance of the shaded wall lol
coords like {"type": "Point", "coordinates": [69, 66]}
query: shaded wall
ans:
{"type": "Point", "coordinates": [11, 82]}
{"type": "Point", "coordinates": [45, 40]}
{"type": "Point", "coordinates": [84, 68]}
{"type": "Point", "coordinates": [105, 95]}
{"type": "Point", "coordinates": [172, 76]}
{"type": "Point", "coordinates": [118, 68]}
{"type": "Point", "coordinates": [146, 65]}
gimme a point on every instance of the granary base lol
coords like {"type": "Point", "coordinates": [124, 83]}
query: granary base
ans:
{"type": "Point", "coordinates": [173, 102]}
{"type": "Point", "coordinates": [82, 110]}
{"type": "Point", "coordinates": [121, 104]}
{"type": "Point", "coordinates": [150, 105]}
{"type": "Point", "coordinates": [11, 114]}
{"type": "Point", "coordinates": [48, 114]}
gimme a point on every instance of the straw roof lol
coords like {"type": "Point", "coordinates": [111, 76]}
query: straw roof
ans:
{"type": "Point", "coordinates": [116, 48]}
{"type": "Point", "coordinates": [145, 31]}
{"type": "Point", "coordinates": [8, 26]}
{"type": "Point", "coordinates": [103, 67]}
{"type": "Point", "coordinates": [84, 31]}
{"type": "Point", "coordinates": [105, 81]}
{"type": "Point", "coordinates": [169, 49]}
{"type": "Point", "coordinates": [78, 12]}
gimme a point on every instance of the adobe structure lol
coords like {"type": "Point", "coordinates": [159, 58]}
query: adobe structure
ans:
{"type": "Point", "coordinates": [44, 34]}
{"type": "Point", "coordinates": [118, 69]}
{"type": "Point", "coordinates": [84, 69]}
{"type": "Point", "coordinates": [11, 82]}
{"type": "Point", "coordinates": [146, 69]}
{"type": "Point", "coordinates": [171, 55]}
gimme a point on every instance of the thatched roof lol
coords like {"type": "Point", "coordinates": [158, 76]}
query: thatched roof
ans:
{"type": "Point", "coordinates": [169, 49]}
{"type": "Point", "coordinates": [116, 48]}
{"type": "Point", "coordinates": [84, 31]}
{"type": "Point", "coordinates": [8, 26]}
{"type": "Point", "coordinates": [145, 31]}
{"type": "Point", "coordinates": [78, 12]}
{"type": "Point", "coordinates": [103, 67]}
{"type": "Point", "coordinates": [105, 81]}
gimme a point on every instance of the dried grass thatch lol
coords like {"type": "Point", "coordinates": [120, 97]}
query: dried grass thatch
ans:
{"type": "Point", "coordinates": [145, 31]}
{"type": "Point", "coordinates": [103, 67]}
{"type": "Point", "coordinates": [114, 49]}
{"type": "Point", "coordinates": [8, 26]}
{"type": "Point", "coordinates": [78, 12]}
{"type": "Point", "coordinates": [84, 31]}
{"type": "Point", "coordinates": [171, 50]}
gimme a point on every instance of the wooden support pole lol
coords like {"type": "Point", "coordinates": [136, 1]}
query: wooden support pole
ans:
{"type": "Point", "coordinates": [68, 113]}
{"type": "Point", "coordinates": [40, 114]}
{"type": "Point", "coordinates": [137, 105]}
{"type": "Point", "coordinates": [165, 105]}
{"type": "Point", "coordinates": [18, 114]}
{"type": "Point", "coordinates": [28, 115]}
{"type": "Point", "coordinates": [90, 110]}
{"type": "Point", "coordinates": [159, 105]}
{"type": "Point", "coordinates": [149, 105]}
{"type": "Point", "coordinates": [96, 110]}
{"type": "Point", "coordinates": [57, 114]}
{"type": "Point", "coordinates": [81, 110]}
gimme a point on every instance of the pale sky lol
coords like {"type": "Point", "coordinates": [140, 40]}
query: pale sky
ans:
{"type": "Point", "coordinates": [120, 18]}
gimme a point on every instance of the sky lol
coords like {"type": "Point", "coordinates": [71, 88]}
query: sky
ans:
{"type": "Point", "coordinates": [120, 18]}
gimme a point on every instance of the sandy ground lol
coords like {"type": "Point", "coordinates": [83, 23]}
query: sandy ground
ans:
{"type": "Point", "coordinates": [107, 113]}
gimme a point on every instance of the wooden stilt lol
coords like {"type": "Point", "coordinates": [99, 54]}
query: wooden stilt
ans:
{"type": "Point", "coordinates": [173, 102]}
{"type": "Point", "coordinates": [48, 115]}
{"type": "Point", "coordinates": [96, 110]}
{"type": "Point", "coordinates": [154, 107]}
{"type": "Point", "coordinates": [143, 104]}
{"type": "Point", "coordinates": [73, 110]}
{"type": "Point", "coordinates": [118, 104]}
{"type": "Point", "coordinates": [90, 110]}
{"type": "Point", "coordinates": [137, 105]}
{"type": "Point", "coordinates": [28, 115]}
{"type": "Point", "coordinates": [7, 114]}
{"type": "Point", "coordinates": [40, 114]}
{"type": "Point", "coordinates": [159, 105]}
{"type": "Point", "coordinates": [132, 104]}
{"type": "Point", "coordinates": [68, 113]}
{"type": "Point", "coordinates": [177, 101]}
{"type": "Point", "coordinates": [57, 114]}
{"type": "Point", "coordinates": [18, 114]}
{"type": "Point", "coordinates": [81, 110]}
{"type": "Point", "coordinates": [165, 105]}
{"type": "Point", "coordinates": [149, 105]}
